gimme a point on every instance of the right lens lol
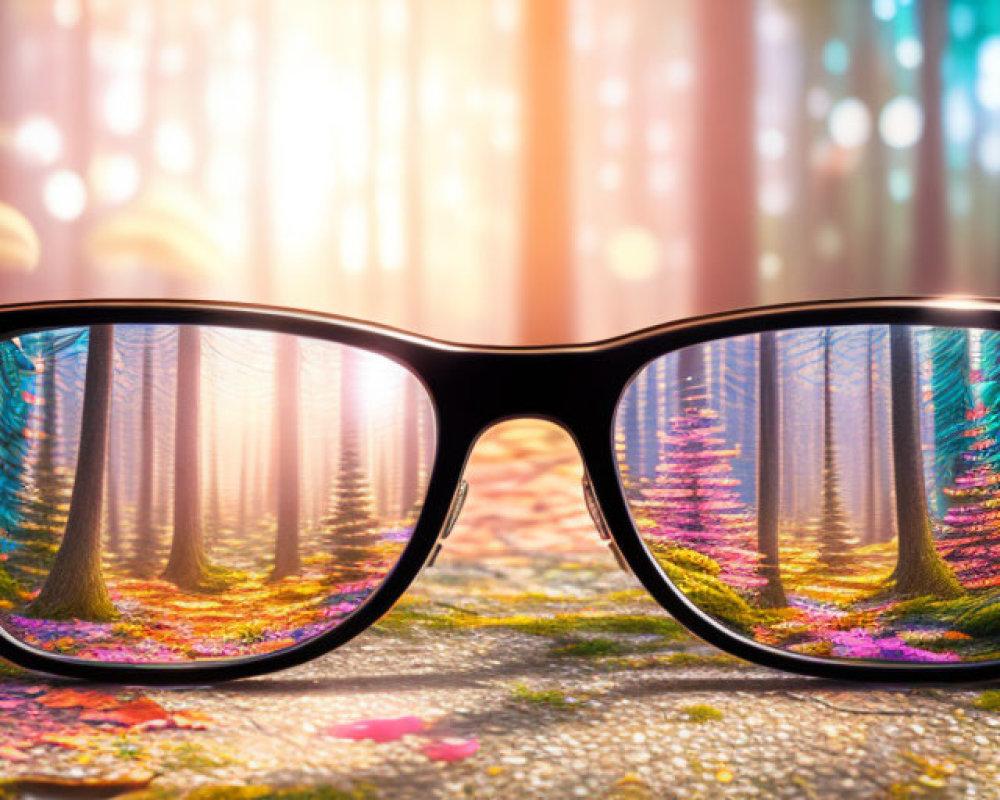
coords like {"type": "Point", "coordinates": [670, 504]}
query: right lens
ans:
{"type": "Point", "coordinates": [827, 491]}
{"type": "Point", "coordinates": [182, 493]}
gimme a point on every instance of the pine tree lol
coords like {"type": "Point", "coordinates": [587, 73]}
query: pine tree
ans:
{"type": "Point", "coordinates": [694, 501]}
{"type": "Point", "coordinates": [47, 496]}
{"type": "Point", "coordinates": [836, 540]}
{"type": "Point", "coordinates": [352, 525]}
{"type": "Point", "coordinates": [970, 530]}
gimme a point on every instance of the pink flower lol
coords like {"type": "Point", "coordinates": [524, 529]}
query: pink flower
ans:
{"type": "Point", "coordinates": [378, 730]}
{"type": "Point", "coordinates": [450, 749]}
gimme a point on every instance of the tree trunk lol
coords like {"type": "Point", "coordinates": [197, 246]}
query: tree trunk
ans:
{"type": "Point", "coordinates": [75, 587]}
{"type": "Point", "coordinates": [835, 537]}
{"type": "Point", "coordinates": [546, 289]}
{"type": "Point", "coordinates": [186, 566]}
{"type": "Point", "coordinates": [411, 498]}
{"type": "Point", "coordinates": [772, 594]}
{"type": "Point", "coordinates": [286, 548]}
{"type": "Point", "coordinates": [920, 570]}
{"type": "Point", "coordinates": [145, 535]}
{"type": "Point", "coordinates": [724, 182]}
{"type": "Point", "coordinates": [113, 489]}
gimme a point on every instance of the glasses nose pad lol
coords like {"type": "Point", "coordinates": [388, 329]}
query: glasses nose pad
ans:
{"type": "Point", "coordinates": [449, 521]}
{"type": "Point", "coordinates": [600, 523]}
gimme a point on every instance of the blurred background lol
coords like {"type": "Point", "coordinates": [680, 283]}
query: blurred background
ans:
{"type": "Point", "coordinates": [500, 170]}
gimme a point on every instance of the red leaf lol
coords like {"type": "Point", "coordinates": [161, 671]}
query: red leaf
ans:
{"type": "Point", "coordinates": [71, 698]}
{"type": "Point", "coordinates": [139, 712]}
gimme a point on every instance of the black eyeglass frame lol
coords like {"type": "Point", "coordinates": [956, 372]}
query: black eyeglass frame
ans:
{"type": "Point", "coordinates": [577, 387]}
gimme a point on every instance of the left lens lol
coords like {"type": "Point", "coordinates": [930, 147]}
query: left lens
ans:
{"type": "Point", "coordinates": [184, 493]}
{"type": "Point", "coordinates": [833, 492]}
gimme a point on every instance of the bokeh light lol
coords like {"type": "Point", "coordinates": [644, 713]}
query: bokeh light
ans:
{"type": "Point", "coordinates": [900, 184]}
{"type": "Point", "coordinates": [909, 52]}
{"type": "Point", "coordinates": [65, 195]}
{"type": "Point", "coordinates": [39, 140]}
{"type": "Point", "coordinates": [989, 152]}
{"type": "Point", "coordinates": [115, 178]}
{"type": "Point", "coordinates": [174, 147]}
{"type": "Point", "coordinates": [884, 10]}
{"type": "Point", "coordinates": [901, 122]}
{"type": "Point", "coordinates": [124, 106]}
{"type": "Point", "coordinates": [633, 253]}
{"type": "Point", "coordinates": [772, 144]}
{"type": "Point", "coordinates": [959, 116]}
{"type": "Point", "coordinates": [836, 57]}
{"type": "Point", "coordinates": [850, 123]}
{"type": "Point", "coordinates": [770, 266]}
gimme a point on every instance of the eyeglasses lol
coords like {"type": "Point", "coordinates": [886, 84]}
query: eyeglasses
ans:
{"type": "Point", "coordinates": [192, 492]}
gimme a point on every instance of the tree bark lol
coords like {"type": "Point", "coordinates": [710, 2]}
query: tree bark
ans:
{"type": "Point", "coordinates": [724, 182]}
{"type": "Point", "coordinates": [920, 570]}
{"type": "Point", "coordinates": [772, 594]}
{"type": "Point", "coordinates": [75, 587]}
{"type": "Point", "coordinates": [186, 566]}
{"type": "Point", "coordinates": [286, 548]}
{"type": "Point", "coordinates": [145, 536]}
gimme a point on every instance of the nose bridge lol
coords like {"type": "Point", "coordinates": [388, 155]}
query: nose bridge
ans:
{"type": "Point", "coordinates": [565, 386]}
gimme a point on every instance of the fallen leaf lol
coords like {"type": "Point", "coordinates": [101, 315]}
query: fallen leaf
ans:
{"type": "Point", "coordinates": [450, 749]}
{"type": "Point", "coordinates": [141, 712]}
{"type": "Point", "coordinates": [71, 698]}
{"type": "Point", "coordinates": [378, 730]}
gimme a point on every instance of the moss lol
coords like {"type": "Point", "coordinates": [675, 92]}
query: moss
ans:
{"type": "Point", "coordinates": [712, 596]}
{"type": "Point", "coordinates": [701, 712]}
{"type": "Point", "coordinates": [555, 625]}
{"type": "Point", "coordinates": [988, 701]}
{"type": "Point", "coordinates": [983, 619]}
{"type": "Point", "coordinates": [704, 660]}
{"type": "Point", "coordinates": [590, 648]}
{"type": "Point", "coordinates": [544, 697]}
{"type": "Point", "coordinates": [8, 670]}
{"type": "Point", "coordinates": [689, 560]}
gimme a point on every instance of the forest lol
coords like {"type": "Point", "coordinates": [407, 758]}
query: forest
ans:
{"type": "Point", "coordinates": [176, 493]}
{"type": "Point", "coordinates": [833, 492]}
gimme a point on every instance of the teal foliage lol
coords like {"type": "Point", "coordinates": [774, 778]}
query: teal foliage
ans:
{"type": "Point", "coordinates": [17, 392]}
{"type": "Point", "coordinates": [952, 401]}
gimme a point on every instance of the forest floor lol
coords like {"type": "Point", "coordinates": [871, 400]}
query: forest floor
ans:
{"type": "Point", "coordinates": [524, 664]}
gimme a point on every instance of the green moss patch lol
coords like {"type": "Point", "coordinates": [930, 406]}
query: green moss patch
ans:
{"type": "Point", "coordinates": [701, 712]}
{"type": "Point", "coordinates": [988, 701]}
{"type": "Point", "coordinates": [590, 648]}
{"type": "Point", "coordinates": [539, 697]}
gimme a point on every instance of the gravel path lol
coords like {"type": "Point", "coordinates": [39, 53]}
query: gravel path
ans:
{"type": "Point", "coordinates": [556, 713]}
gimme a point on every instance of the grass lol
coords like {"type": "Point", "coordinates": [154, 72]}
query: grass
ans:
{"type": "Point", "coordinates": [988, 700]}
{"type": "Point", "coordinates": [554, 698]}
{"type": "Point", "coordinates": [701, 712]}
